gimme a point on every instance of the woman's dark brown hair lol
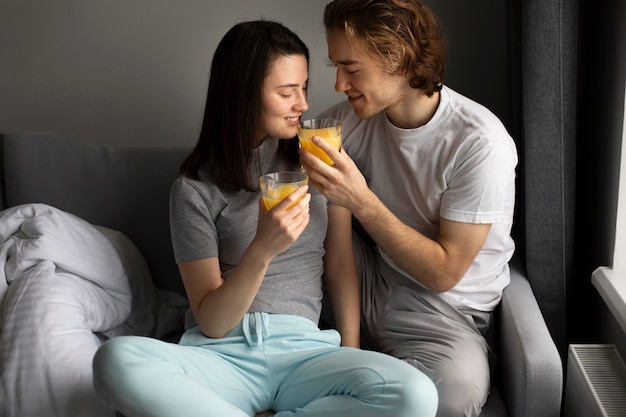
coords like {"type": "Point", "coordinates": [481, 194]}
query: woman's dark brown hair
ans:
{"type": "Point", "coordinates": [402, 36]}
{"type": "Point", "coordinates": [234, 104]}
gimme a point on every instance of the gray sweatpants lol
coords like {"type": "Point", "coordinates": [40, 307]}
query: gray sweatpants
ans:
{"type": "Point", "coordinates": [410, 322]}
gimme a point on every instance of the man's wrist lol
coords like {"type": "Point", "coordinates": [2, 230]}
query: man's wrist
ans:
{"type": "Point", "coordinates": [368, 208]}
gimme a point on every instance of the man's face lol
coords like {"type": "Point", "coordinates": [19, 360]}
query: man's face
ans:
{"type": "Point", "coordinates": [369, 88]}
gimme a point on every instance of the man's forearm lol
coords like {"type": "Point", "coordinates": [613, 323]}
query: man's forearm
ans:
{"type": "Point", "coordinates": [422, 258]}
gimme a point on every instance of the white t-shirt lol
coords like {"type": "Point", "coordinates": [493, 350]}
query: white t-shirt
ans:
{"type": "Point", "coordinates": [459, 166]}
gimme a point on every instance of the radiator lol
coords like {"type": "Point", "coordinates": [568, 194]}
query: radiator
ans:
{"type": "Point", "coordinates": [595, 385]}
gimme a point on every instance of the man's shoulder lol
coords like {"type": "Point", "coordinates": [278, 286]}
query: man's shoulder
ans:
{"type": "Point", "coordinates": [473, 117]}
{"type": "Point", "coordinates": [470, 109]}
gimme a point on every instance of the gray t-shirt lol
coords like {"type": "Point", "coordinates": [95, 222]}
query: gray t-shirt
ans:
{"type": "Point", "coordinates": [206, 222]}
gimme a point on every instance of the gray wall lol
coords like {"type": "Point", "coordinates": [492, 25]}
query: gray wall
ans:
{"type": "Point", "coordinates": [135, 72]}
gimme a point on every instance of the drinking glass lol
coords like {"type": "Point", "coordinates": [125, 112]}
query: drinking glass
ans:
{"type": "Point", "coordinates": [277, 185]}
{"type": "Point", "coordinates": [327, 129]}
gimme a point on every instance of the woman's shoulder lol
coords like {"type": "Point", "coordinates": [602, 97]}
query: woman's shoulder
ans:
{"type": "Point", "coordinates": [184, 186]}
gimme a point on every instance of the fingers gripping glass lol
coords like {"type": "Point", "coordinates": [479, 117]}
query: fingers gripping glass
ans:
{"type": "Point", "coordinates": [327, 129]}
{"type": "Point", "coordinates": [278, 185]}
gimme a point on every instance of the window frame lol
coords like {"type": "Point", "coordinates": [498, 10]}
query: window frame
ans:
{"type": "Point", "coordinates": [610, 281]}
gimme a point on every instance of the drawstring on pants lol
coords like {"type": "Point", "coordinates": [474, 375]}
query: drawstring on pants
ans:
{"type": "Point", "coordinates": [255, 328]}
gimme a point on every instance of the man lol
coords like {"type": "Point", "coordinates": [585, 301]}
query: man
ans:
{"type": "Point", "coordinates": [430, 176]}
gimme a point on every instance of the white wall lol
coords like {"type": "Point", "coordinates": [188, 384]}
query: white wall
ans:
{"type": "Point", "coordinates": [135, 71]}
{"type": "Point", "coordinates": [619, 254]}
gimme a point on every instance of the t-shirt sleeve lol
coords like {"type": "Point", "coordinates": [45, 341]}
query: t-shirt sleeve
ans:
{"type": "Point", "coordinates": [481, 183]}
{"type": "Point", "coordinates": [192, 228]}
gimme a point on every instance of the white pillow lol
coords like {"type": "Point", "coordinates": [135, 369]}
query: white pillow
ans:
{"type": "Point", "coordinates": [154, 312]}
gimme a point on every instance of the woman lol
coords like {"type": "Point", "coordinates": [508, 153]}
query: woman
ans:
{"type": "Point", "coordinates": [253, 276]}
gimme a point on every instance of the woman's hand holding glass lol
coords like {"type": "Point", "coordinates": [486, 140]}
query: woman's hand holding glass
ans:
{"type": "Point", "coordinates": [283, 224]}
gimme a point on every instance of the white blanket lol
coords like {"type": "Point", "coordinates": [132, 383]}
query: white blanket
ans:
{"type": "Point", "coordinates": [66, 285]}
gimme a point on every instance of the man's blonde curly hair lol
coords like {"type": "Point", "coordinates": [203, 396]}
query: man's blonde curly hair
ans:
{"type": "Point", "coordinates": [402, 36]}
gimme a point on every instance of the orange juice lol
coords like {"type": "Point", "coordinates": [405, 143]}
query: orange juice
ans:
{"type": "Point", "coordinates": [327, 129]}
{"type": "Point", "coordinates": [278, 185]}
{"type": "Point", "coordinates": [276, 194]}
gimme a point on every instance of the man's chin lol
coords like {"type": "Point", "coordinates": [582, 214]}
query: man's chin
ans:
{"type": "Point", "coordinates": [363, 113]}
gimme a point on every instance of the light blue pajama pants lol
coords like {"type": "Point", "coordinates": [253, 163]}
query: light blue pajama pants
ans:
{"type": "Point", "coordinates": [279, 362]}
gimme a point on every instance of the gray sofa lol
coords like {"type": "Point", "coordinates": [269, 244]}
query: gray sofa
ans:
{"type": "Point", "coordinates": [127, 189]}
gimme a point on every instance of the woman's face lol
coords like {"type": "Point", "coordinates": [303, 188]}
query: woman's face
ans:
{"type": "Point", "coordinates": [284, 97]}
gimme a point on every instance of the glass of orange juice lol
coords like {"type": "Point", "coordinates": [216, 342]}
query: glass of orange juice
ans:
{"type": "Point", "coordinates": [277, 185]}
{"type": "Point", "coordinates": [327, 129]}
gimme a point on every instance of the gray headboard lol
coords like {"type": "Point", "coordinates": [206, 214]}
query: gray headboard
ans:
{"type": "Point", "coordinates": [126, 189]}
